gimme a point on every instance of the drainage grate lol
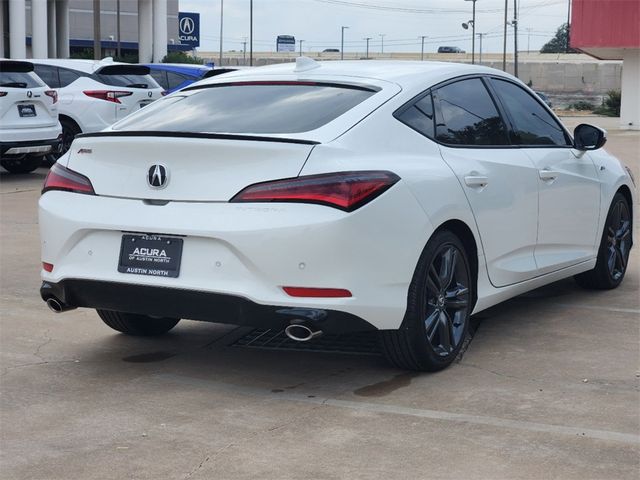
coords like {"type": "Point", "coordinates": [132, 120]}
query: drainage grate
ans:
{"type": "Point", "coordinates": [362, 343]}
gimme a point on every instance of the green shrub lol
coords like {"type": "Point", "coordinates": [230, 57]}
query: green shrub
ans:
{"type": "Point", "coordinates": [582, 106]}
{"type": "Point", "coordinates": [610, 104]}
{"type": "Point", "coordinates": [181, 57]}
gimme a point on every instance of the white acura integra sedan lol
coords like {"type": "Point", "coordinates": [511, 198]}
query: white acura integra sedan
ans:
{"type": "Point", "coordinates": [338, 197]}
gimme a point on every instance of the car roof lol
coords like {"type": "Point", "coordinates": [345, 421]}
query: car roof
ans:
{"type": "Point", "coordinates": [407, 74]}
{"type": "Point", "coordinates": [87, 66]}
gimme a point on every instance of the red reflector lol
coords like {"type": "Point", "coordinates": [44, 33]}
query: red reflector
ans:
{"type": "Point", "coordinates": [344, 190]}
{"type": "Point", "coordinates": [316, 292]}
{"type": "Point", "coordinates": [62, 178]}
{"type": "Point", "coordinates": [47, 266]}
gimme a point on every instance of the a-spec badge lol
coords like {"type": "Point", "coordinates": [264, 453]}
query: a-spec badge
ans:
{"type": "Point", "coordinates": [158, 176]}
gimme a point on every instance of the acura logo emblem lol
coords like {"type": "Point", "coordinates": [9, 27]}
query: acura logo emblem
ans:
{"type": "Point", "coordinates": [29, 94]}
{"type": "Point", "coordinates": [158, 176]}
{"type": "Point", "coordinates": [187, 25]}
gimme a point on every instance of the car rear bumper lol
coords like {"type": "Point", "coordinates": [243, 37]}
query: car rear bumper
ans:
{"type": "Point", "coordinates": [194, 305]}
{"type": "Point", "coordinates": [36, 147]}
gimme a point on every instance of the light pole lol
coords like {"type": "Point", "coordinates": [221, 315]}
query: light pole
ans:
{"type": "Point", "coordinates": [221, 23]}
{"type": "Point", "coordinates": [244, 51]}
{"type": "Point", "coordinates": [300, 46]}
{"type": "Point", "coordinates": [481, 35]}
{"type": "Point", "coordinates": [473, 43]}
{"type": "Point", "coordinates": [422, 48]}
{"type": "Point", "coordinates": [251, 32]}
{"type": "Point", "coordinates": [473, 32]}
{"type": "Point", "coordinates": [367, 39]}
{"type": "Point", "coordinates": [504, 46]}
{"type": "Point", "coordinates": [528, 40]}
{"type": "Point", "coordinates": [118, 50]}
{"type": "Point", "coordinates": [382, 42]}
{"type": "Point", "coordinates": [515, 38]}
{"type": "Point", "coordinates": [342, 43]}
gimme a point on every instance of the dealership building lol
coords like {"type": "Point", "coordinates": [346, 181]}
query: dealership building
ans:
{"type": "Point", "coordinates": [58, 28]}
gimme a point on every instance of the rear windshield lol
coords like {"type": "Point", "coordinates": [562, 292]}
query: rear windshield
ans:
{"type": "Point", "coordinates": [131, 81]}
{"type": "Point", "coordinates": [250, 108]}
{"type": "Point", "coordinates": [20, 80]}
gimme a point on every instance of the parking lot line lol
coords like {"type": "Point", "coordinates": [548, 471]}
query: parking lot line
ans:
{"type": "Point", "coordinates": [408, 411]}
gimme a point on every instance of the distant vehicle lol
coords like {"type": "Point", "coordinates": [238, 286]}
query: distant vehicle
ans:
{"type": "Point", "coordinates": [544, 98]}
{"type": "Point", "coordinates": [331, 50]}
{"type": "Point", "coordinates": [450, 50]}
{"type": "Point", "coordinates": [175, 76]}
{"type": "Point", "coordinates": [95, 93]}
{"type": "Point", "coordinates": [29, 126]}
{"type": "Point", "coordinates": [285, 43]}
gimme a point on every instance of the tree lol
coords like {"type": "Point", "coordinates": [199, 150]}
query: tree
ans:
{"type": "Point", "coordinates": [558, 44]}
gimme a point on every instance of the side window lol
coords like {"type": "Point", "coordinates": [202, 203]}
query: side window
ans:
{"type": "Point", "coordinates": [68, 76]}
{"type": "Point", "coordinates": [160, 76]}
{"type": "Point", "coordinates": [532, 123]}
{"type": "Point", "coordinates": [176, 79]}
{"type": "Point", "coordinates": [419, 116]}
{"type": "Point", "coordinates": [48, 74]}
{"type": "Point", "coordinates": [466, 115]}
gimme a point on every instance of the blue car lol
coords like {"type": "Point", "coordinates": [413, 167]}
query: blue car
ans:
{"type": "Point", "coordinates": [174, 76]}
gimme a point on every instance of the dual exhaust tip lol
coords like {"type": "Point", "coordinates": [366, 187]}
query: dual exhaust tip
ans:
{"type": "Point", "coordinates": [301, 331]}
{"type": "Point", "coordinates": [57, 306]}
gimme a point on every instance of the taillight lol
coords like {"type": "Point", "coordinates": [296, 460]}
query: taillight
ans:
{"type": "Point", "coordinates": [343, 190]}
{"type": "Point", "coordinates": [108, 95]}
{"type": "Point", "coordinates": [61, 178]}
{"type": "Point", "coordinates": [53, 94]}
{"type": "Point", "coordinates": [48, 267]}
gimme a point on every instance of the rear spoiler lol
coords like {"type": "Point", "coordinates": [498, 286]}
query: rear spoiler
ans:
{"type": "Point", "coordinates": [123, 69]}
{"type": "Point", "coordinates": [218, 136]}
{"type": "Point", "coordinates": [15, 66]}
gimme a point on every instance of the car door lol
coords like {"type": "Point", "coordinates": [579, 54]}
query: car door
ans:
{"type": "Point", "coordinates": [500, 181]}
{"type": "Point", "coordinates": [569, 188]}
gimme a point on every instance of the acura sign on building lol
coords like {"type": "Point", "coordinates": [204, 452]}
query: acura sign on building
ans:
{"type": "Point", "coordinates": [189, 29]}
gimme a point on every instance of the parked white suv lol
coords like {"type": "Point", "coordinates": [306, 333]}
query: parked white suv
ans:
{"type": "Point", "coordinates": [94, 94]}
{"type": "Point", "coordinates": [29, 126]}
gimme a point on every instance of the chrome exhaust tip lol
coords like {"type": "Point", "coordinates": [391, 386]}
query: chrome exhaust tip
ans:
{"type": "Point", "coordinates": [56, 306]}
{"type": "Point", "coordinates": [301, 332]}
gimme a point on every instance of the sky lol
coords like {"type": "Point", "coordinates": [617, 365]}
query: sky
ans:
{"type": "Point", "coordinates": [402, 22]}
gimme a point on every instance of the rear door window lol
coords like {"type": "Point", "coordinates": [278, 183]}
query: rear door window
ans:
{"type": "Point", "coordinates": [177, 79]}
{"type": "Point", "coordinates": [532, 123]}
{"type": "Point", "coordinates": [467, 115]}
{"type": "Point", "coordinates": [160, 76]}
{"type": "Point", "coordinates": [252, 107]}
{"type": "Point", "coordinates": [48, 74]}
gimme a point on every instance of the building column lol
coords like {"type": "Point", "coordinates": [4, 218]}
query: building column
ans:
{"type": "Point", "coordinates": [17, 29]}
{"type": "Point", "coordinates": [145, 29]}
{"type": "Point", "coordinates": [159, 30]}
{"type": "Point", "coordinates": [630, 103]}
{"type": "Point", "coordinates": [2, 31]}
{"type": "Point", "coordinates": [51, 28]}
{"type": "Point", "coordinates": [39, 29]}
{"type": "Point", "coordinates": [62, 28]}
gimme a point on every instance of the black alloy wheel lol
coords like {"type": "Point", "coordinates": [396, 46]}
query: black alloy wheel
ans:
{"type": "Point", "coordinates": [615, 246]}
{"type": "Point", "coordinates": [439, 303]}
{"type": "Point", "coordinates": [447, 300]}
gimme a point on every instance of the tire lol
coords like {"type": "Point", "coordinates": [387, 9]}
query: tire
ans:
{"type": "Point", "coordinates": [439, 305]}
{"type": "Point", "coordinates": [24, 164]}
{"type": "Point", "coordinates": [69, 131]}
{"type": "Point", "coordinates": [613, 253]}
{"type": "Point", "coordinates": [137, 325]}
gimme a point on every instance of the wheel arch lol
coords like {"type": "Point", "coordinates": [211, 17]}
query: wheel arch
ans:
{"type": "Point", "coordinates": [625, 191]}
{"type": "Point", "coordinates": [62, 116]}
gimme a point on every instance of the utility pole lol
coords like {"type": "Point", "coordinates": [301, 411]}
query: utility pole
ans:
{"type": "Point", "coordinates": [251, 32]}
{"type": "Point", "coordinates": [382, 42]}
{"type": "Point", "coordinates": [481, 35]}
{"type": "Point", "coordinates": [568, 23]}
{"type": "Point", "coordinates": [528, 40]}
{"type": "Point", "coordinates": [97, 49]}
{"type": "Point", "coordinates": [300, 46]}
{"type": "Point", "coordinates": [422, 48]}
{"type": "Point", "coordinates": [473, 32]}
{"type": "Point", "coordinates": [504, 46]}
{"type": "Point", "coordinates": [367, 39]}
{"type": "Point", "coordinates": [244, 51]}
{"type": "Point", "coordinates": [342, 43]}
{"type": "Point", "coordinates": [515, 38]}
{"type": "Point", "coordinates": [118, 29]}
{"type": "Point", "coordinates": [221, 23]}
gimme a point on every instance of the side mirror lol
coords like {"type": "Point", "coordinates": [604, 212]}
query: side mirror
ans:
{"type": "Point", "coordinates": [588, 137]}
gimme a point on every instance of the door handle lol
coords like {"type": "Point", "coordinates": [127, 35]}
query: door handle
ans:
{"type": "Point", "coordinates": [548, 175]}
{"type": "Point", "coordinates": [476, 181]}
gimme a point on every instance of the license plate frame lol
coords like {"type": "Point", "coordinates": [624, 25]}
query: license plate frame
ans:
{"type": "Point", "coordinates": [27, 110]}
{"type": "Point", "coordinates": [150, 254]}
